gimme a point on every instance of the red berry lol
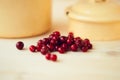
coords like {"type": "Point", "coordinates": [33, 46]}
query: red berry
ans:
{"type": "Point", "coordinates": [48, 56]}
{"type": "Point", "coordinates": [53, 57]}
{"type": "Point", "coordinates": [44, 50]}
{"type": "Point", "coordinates": [56, 33]}
{"type": "Point", "coordinates": [65, 46]}
{"type": "Point", "coordinates": [39, 48]}
{"type": "Point", "coordinates": [87, 41]}
{"type": "Point", "coordinates": [39, 43]}
{"type": "Point", "coordinates": [69, 41]}
{"type": "Point", "coordinates": [45, 41]}
{"type": "Point", "coordinates": [61, 50]}
{"type": "Point", "coordinates": [63, 39]}
{"type": "Point", "coordinates": [53, 41]}
{"type": "Point", "coordinates": [50, 47]}
{"type": "Point", "coordinates": [19, 45]}
{"type": "Point", "coordinates": [32, 48]}
{"type": "Point", "coordinates": [74, 47]}
{"type": "Point", "coordinates": [89, 46]}
{"type": "Point", "coordinates": [84, 49]}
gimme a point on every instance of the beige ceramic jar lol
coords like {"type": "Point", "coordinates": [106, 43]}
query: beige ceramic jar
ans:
{"type": "Point", "coordinates": [24, 18]}
{"type": "Point", "coordinates": [95, 19]}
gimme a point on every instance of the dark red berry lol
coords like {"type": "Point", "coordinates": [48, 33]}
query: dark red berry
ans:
{"type": "Point", "coordinates": [53, 57]}
{"type": "Point", "coordinates": [84, 49]}
{"type": "Point", "coordinates": [87, 41]}
{"type": "Point", "coordinates": [64, 46]}
{"type": "Point", "coordinates": [61, 50]}
{"type": "Point", "coordinates": [69, 41]}
{"type": "Point", "coordinates": [51, 47]}
{"type": "Point", "coordinates": [19, 45]}
{"type": "Point", "coordinates": [56, 33]}
{"type": "Point", "coordinates": [53, 41]}
{"type": "Point", "coordinates": [63, 39]}
{"type": "Point", "coordinates": [89, 46]}
{"type": "Point", "coordinates": [73, 47]}
{"type": "Point", "coordinates": [48, 56]}
{"type": "Point", "coordinates": [39, 48]}
{"type": "Point", "coordinates": [32, 48]}
{"type": "Point", "coordinates": [44, 50]}
{"type": "Point", "coordinates": [71, 35]}
{"type": "Point", "coordinates": [45, 41]}
{"type": "Point", "coordinates": [56, 48]}
{"type": "Point", "coordinates": [39, 43]}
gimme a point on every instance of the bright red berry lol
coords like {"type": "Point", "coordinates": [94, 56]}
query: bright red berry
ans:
{"type": "Point", "coordinates": [32, 48]}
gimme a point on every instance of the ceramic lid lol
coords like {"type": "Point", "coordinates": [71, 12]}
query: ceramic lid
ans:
{"type": "Point", "coordinates": [95, 10]}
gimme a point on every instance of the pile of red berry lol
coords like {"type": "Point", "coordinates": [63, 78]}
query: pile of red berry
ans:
{"type": "Point", "coordinates": [56, 42]}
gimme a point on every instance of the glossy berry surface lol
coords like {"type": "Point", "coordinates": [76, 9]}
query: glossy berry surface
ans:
{"type": "Point", "coordinates": [53, 57]}
{"type": "Point", "coordinates": [32, 48]}
{"type": "Point", "coordinates": [48, 56]}
{"type": "Point", "coordinates": [19, 45]}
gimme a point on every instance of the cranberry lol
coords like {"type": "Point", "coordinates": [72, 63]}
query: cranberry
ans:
{"type": "Point", "coordinates": [39, 48]}
{"type": "Point", "coordinates": [39, 43]}
{"type": "Point", "coordinates": [55, 37]}
{"type": "Point", "coordinates": [56, 33]}
{"type": "Point", "coordinates": [53, 57]}
{"type": "Point", "coordinates": [84, 49]}
{"type": "Point", "coordinates": [74, 47]}
{"type": "Point", "coordinates": [69, 41]}
{"type": "Point", "coordinates": [61, 50]}
{"type": "Point", "coordinates": [51, 36]}
{"type": "Point", "coordinates": [71, 35]}
{"type": "Point", "coordinates": [63, 39]}
{"type": "Point", "coordinates": [51, 47]}
{"type": "Point", "coordinates": [65, 46]}
{"type": "Point", "coordinates": [44, 50]}
{"type": "Point", "coordinates": [48, 56]}
{"type": "Point", "coordinates": [89, 46]}
{"type": "Point", "coordinates": [56, 48]}
{"type": "Point", "coordinates": [53, 41]}
{"type": "Point", "coordinates": [77, 41]}
{"type": "Point", "coordinates": [87, 41]}
{"type": "Point", "coordinates": [32, 48]}
{"type": "Point", "coordinates": [19, 45]}
{"type": "Point", "coordinates": [45, 41]}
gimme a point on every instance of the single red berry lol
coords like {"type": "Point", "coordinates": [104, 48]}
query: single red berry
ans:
{"type": "Point", "coordinates": [73, 47]}
{"type": "Point", "coordinates": [53, 41]}
{"type": "Point", "coordinates": [45, 41]}
{"type": "Point", "coordinates": [71, 35]}
{"type": "Point", "coordinates": [19, 45]}
{"type": "Point", "coordinates": [53, 57]}
{"type": "Point", "coordinates": [61, 50]}
{"type": "Point", "coordinates": [48, 56]}
{"type": "Point", "coordinates": [39, 43]}
{"type": "Point", "coordinates": [90, 46]}
{"type": "Point", "coordinates": [44, 50]}
{"type": "Point", "coordinates": [69, 41]}
{"type": "Point", "coordinates": [32, 48]}
{"type": "Point", "coordinates": [87, 41]}
{"type": "Point", "coordinates": [64, 46]}
{"type": "Point", "coordinates": [39, 48]}
{"type": "Point", "coordinates": [63, 39]}
{"type": "Point", "coordinates": [56, 33]}
{"type": "Point", "coordinates": [51, 47]}
{"type": "Point", "coordinates": [84, 49]}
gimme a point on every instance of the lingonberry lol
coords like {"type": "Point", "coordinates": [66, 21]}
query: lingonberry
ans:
{"type": "Point", "coordinates": [32, 48]}
{"type": "Point", "coordinates": [19, 45]}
